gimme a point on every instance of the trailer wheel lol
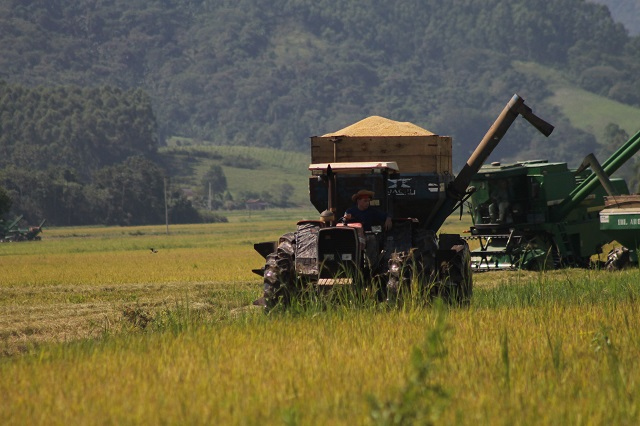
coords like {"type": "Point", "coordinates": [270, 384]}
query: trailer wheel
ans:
{"type": "Point", "coordinates": [427, 245]}
{"type": "Point", "coordinates": [457, 287]}
{"type": "Point", "coordinates": [279, 273]}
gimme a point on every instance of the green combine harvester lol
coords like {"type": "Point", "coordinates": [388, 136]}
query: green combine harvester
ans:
{"type": "Point", "coordinates": [541, 215]}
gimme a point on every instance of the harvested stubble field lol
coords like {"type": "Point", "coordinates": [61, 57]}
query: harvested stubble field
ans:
{"type": "Point", "coordinates": [97, 329]}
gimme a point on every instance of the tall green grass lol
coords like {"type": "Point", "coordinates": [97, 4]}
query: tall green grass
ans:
{"type": "Point", "coordinates": [538, 365]}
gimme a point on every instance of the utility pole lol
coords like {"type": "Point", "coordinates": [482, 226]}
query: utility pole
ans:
{"type": "Point", "coordinates": [210, 196]}
{"type": "Point", "coordinates": [166, 205]}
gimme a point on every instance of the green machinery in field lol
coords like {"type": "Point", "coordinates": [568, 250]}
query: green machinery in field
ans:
{"type": "Point", "coordinates": [620, 220]}
{"type": "Point", "coordinates": [13, 233]}
{"type": "Point", "coordinates": [542, 215]}
{"type": "Point", "coordinates": [7, 229]}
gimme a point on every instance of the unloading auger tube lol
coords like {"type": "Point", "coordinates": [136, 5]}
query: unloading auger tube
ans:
{"type": "Point", "coordinates": [582, 191]}
{"type": "Point", "coordinates": [457, 189]}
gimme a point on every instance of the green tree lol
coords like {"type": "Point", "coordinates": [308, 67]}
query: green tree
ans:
{"type": "Point", "coordinates": [130, 193]}
{"type": "Point", "coordinates": [5, 202]}
{"type": "Point", "coordinates": [215, 180]}
{"type": "Point", "coordinates": [53, 139]}
{"type": "Point", "coordinates": [181, 210]}
{"type": "Point", "coordinates": [282, 194]}
{"type": "Point", "coordinates": [73, 127]}
{"type": "Point", "coordinates": [614, 138]}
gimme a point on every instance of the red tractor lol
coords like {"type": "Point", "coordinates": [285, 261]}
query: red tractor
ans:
{"type": "Point", "coordinates": [408, 171]}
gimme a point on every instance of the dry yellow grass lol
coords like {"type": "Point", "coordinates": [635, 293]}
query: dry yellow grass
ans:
{"type": "Point", "coordinates": [565, 365]}
{"type": "Point", "coordinates": [76, 282]}
{"type": "Point", "coordinates": [533, 348]}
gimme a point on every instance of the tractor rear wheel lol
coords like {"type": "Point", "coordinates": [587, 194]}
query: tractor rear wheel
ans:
{"type": "Point", "coordinates": [279, 273]}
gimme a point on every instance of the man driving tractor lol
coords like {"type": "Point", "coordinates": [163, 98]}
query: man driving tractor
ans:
{"type": "Point", "coordinates": [363, 213]}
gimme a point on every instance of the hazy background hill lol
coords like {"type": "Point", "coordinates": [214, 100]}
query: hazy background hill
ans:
{"type": "Point", "coordinates": [625, 11]}
{"type": "Point", "coordinates": [240, 73]}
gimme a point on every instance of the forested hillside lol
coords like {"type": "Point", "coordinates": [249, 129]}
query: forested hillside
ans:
{"type": "Point", "coordinates": [82, 128]}
{"type": "Point", "coordinates": [236, 72]}
{"type": "Point", "coordinates": [241, 73]}
{"type": "Point", "coordinates": [82, 156]}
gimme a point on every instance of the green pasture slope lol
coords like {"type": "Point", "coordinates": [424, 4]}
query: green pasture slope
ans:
{"type": "Point", "coordinates": [274, 168]}
{"type": "Point", "coordinates": [585, 110]}
{"type": "Point", "coordinates": [95, 328]}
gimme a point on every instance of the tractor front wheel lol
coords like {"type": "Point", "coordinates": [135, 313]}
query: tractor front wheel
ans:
{"type": "Point", "coordinates": [279, 273]}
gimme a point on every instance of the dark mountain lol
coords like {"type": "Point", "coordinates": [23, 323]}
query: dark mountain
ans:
{"type": "Point", "coordinates": [243, 72]}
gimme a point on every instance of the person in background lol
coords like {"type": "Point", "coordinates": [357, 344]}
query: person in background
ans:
{"type": "Point", "coordinates": [498, 209]}
{"type": "Point", "coordinates": [363, 213]}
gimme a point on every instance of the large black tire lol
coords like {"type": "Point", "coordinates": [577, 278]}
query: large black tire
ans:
{"type": "Point", "coordinates": [279, 273]}
{"type": "Point", "coordinates": [457, 283]}
{"type": "Point", "coordinates": [418, 263]}
{"type": "Point", "coordinates": [549, 261]}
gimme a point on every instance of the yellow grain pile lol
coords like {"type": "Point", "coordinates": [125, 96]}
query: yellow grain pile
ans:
{"type": "Point", "coordinates": [380, 126]}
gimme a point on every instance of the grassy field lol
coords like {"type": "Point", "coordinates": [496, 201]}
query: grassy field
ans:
{"type": "Point", "coordinates": [272, 168]}
{"type": "Point", "coordinates": [95, 328]}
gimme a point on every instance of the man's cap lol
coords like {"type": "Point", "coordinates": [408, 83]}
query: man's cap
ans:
{"type": "Point", "coordinates": [362, 193]}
